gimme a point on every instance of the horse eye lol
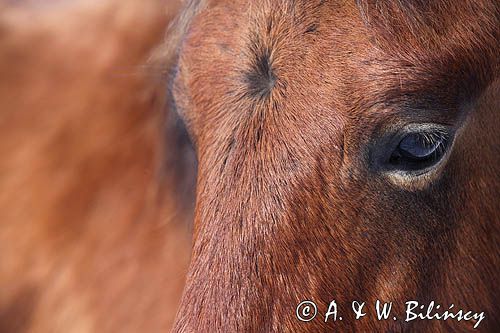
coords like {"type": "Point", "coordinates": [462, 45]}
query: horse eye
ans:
{"type": "Point", "coordinates": [419, 150]}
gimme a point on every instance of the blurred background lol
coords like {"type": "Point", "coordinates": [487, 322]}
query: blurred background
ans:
{"type": "Point", "coordinates": [96, 177]}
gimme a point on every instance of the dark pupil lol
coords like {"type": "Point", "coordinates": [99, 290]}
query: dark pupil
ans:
{"type": "Point", "coordinates": [418, 146]}
{"type": "Point", "coordinates": [418, 150]}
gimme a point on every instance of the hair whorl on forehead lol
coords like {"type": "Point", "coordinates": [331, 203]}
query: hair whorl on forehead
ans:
{"type": "Point", "coordinates": [457, 37]}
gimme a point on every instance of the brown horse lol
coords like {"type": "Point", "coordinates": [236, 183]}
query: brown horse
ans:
{"type": "Point", "coordinates": [348, 151]}
{"type": "Point", "coordinates": [95, 203]}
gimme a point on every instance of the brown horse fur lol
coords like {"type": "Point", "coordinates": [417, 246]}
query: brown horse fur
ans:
{"type": "Point", "coordinates": [95, 203]}
{"type": "Point", "coordinates": [285, 101]}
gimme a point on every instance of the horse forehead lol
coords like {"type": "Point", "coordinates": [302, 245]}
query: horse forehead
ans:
{"type": "Point", "coordinates": [328, 49]}
{"type": "Point", "coordinates": [271, 55]}
{"type": "Point", "coordinates": [275, 17]}
{"type": "Point", "coordinates": [295, 41]}
{"type": "Point", "coordinates": [276, 41]}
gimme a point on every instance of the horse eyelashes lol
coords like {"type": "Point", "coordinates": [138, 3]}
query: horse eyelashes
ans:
{"type": "Point", "coordinates": [419, 150]}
